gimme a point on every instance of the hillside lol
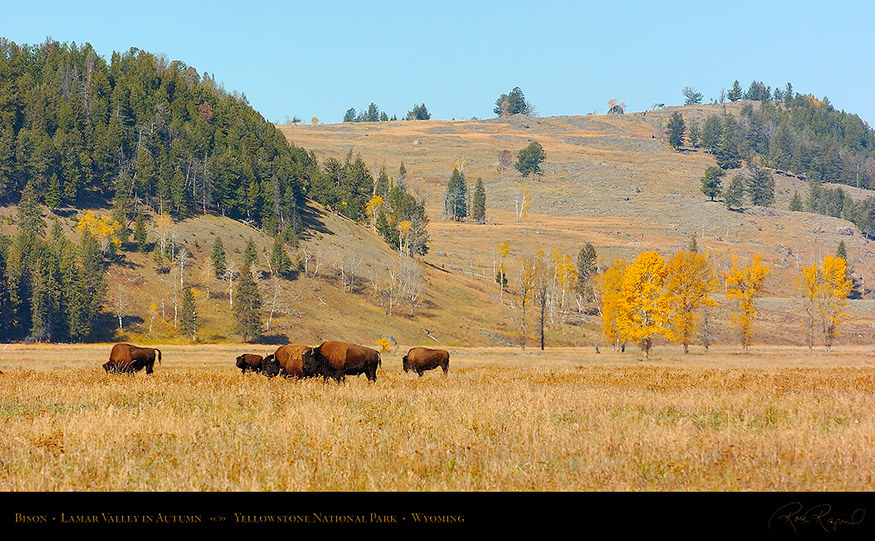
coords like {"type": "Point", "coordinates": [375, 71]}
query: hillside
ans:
{"type": "Point", "coordinates": [609, 180]}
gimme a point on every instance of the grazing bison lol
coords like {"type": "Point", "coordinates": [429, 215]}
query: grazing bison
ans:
{"type": "Point", "coordinates": [256, 363]}
{"type": "Point", "coordinates": [129, 358]}
{"type": "Point", "coordinates": [335, 359]}
{"type": "Point", "coordinates": [421, 359]}
{"type": "Point", "coordinates": [249, 361]}
{"type": "Point", "coordinates": [292, 359]}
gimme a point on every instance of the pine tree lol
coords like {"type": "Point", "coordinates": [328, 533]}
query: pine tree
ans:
{"type": "Point", "coordinates": [247, 307]}
{"type": "Point", "coordinates": [218, 256]}
{"type": "Point", "coordinates": [675, 130]}
{"type": "Point", "coordinates": [188, 320]}
{"type": "Point", "coordinates": [456, 198]}
{"type": "Point", "coordinates": [280, 261]}
{"type": "Point", "coordinates": [735, 93]}
{"type": "Point", "coordinates": [587, 268]}
{"type": "Point", "coordinates": [796, 203]}
{"type": "Point", "coordinates": [733, 196]}
{"type": "Point", "coordinates": [761, 187]}
{"type": "Point", "coordinates": [250, 253]}
{"type": "Point", "coordinates": [30, 216]}
{"type": "Point", "coordinates": [711, 181]}
{"type": "Point", "coordinates": [529, 159]}
{"type": "Point", "coordinates": [140, 235]}
{"type": "Point", "coordinates": [478, 202]}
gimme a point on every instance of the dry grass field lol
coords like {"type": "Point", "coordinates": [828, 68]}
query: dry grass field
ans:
{"type": "Point", "coordinates": [504, 419]}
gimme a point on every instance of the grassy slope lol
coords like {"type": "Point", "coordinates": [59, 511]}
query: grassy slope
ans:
{"type": "Point", "coordinates": [609, 180]}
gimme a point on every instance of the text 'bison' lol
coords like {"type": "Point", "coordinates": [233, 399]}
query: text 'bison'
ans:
{"type": "Point", "coordinates": [127, 358]}
{"type": "Point", "coordinates": [421, 359]}
{"type": "Point", "coordinates": [336, 359]}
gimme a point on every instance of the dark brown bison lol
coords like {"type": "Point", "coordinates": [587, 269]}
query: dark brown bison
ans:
{"type": "Point", "coordinates": [129, 358]}
{"type": "Point", "coordinates": [335, 359]}
{"type": "Point", "coordinates": [256, 363]}
{"type": "Point", "coordinates": [421, 359]}
{"type": "Point", "coordinates": [292, 359]}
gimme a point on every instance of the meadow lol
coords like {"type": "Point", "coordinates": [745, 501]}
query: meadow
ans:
{"type": "Point", "coordinates": [504, 419]}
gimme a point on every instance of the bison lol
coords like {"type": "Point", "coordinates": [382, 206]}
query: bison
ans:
{"type": "Point", "coordinates": [256, 363]}
{"type": "Point", "coordinates": [336, 359]}
{"type": "Point", "coordinates": [292, 358]}
{"type": "Point", "coordinates": [129, 358]}
{"type": "Point", "coordinates": [421, 359]}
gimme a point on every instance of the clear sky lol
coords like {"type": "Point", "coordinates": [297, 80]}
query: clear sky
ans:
{"type": "Point", "coordinates": [320, 58]}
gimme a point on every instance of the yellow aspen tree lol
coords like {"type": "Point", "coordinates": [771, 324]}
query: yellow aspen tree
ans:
{"type": "Point", "coordinates": [371, 208]}
{"type": "Point", "coordinates": [691, 281]}
{"type": "Point", "coordinates": [745, 284]}
{"type": "Point", "coordinates": [528, 268]}
{"type": "Point", "coordinates": [644, 308]}
{"type": "Point", "coordinates": [609, 285]}
{"type": "Point", "coordinates": [501, 275]}
{"type": "Point", "coordinates": [809, 287]}
{"type": "Point", "coordinates": [102, 228]}
{"type": "Point", "coordinates": [834, 290]}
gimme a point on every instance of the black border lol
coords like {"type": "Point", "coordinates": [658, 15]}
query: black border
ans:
{"type": "Point", "coordinates": [697, 513]}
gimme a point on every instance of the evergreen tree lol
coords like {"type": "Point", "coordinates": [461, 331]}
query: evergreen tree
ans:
{"type": "Point", "coordinates": [247, 307]}
{"type": "Point", "coordinates": [735, 93]}
{"type": "Point", "coordinates": [712, 132]}
{"type": "Point", "coordinates": [280, 261]}
{"type": "Point", "coordinates": [513, 103]}
{"type": "Point", "coordinates": [796, 202]}
{"type": "Point", "coordinates": [250, 253]}
{"type": "Point", "coordinates": [727, 153]}
{"type": "Point", "coordinates": [140, 235]}
{"type": "Point", "coordinates": [841, 251]}
{"type": "Point", "coordinates": [218, 256]}
{"type": "Point", "coordinates": [693, 246]}
{"type": "Point", "coordinates": [675, 130]}
{"type": "Point", "coordinates": [478, 202]}
{"type": "Point", "coordinates": [381, 187]}
{"type": "Point", "coordinates": [188, 321]}
{"type": "Point", "coordinates": [761, 187]}
{"type": "Point", "coordinates": [692, 96]}
{"type": "Point", "coordinates": [419, 112]}
{"type": "Point", "coordinates": [30, 216]}
{"type": "Point", "coordinates": [587, 268]}
{"type": "Point", "coordinates": [711, 181]}
{"type": "Point", "coordinates": [733, 196]}
{"type": "Point", "coordinates": [529, 159]}
{"type": "Point", "coordinates": [456, 198]}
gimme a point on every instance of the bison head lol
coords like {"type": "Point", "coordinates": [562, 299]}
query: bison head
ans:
{"type": "Point", "coordinates": [241, 362]}
{"type": "Point", "coordinates": [405, 364]}
{"type": "Point", "coordinates": [270, 366]}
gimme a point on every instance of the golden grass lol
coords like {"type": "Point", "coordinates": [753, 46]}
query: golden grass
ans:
{"type": "Point", "coordinates": [503, 420]}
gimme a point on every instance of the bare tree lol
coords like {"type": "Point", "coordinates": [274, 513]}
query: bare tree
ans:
{"type": "Point", "coordinates": [413, 283]}
{"type": "Point", "coordinates": [231, 274]}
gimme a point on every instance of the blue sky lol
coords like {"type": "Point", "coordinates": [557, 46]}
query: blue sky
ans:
{"type": "Point", "coordinates": [309, 59]}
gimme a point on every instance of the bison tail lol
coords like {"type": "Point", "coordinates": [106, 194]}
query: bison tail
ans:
{"type": "Point", "coordinates": [159, 354]}
{"type": "Point", "coordinates": [379, 359]}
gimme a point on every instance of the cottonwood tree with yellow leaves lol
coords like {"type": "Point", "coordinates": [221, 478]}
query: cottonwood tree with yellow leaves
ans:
{"type": "Point", "coordinates": [691, 281]}
{"type": "Point", "coordinates": [644, 306]}
{"type": "Point", "coordinates": [745, 284]}
{"type": "Point", "coordinates": [825, 290]}
{"type": "Point", "coordinates": [610, 284]}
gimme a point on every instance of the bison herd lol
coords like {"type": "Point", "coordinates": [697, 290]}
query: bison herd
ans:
{"type": "Point", "coordinates": [330, 360]}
